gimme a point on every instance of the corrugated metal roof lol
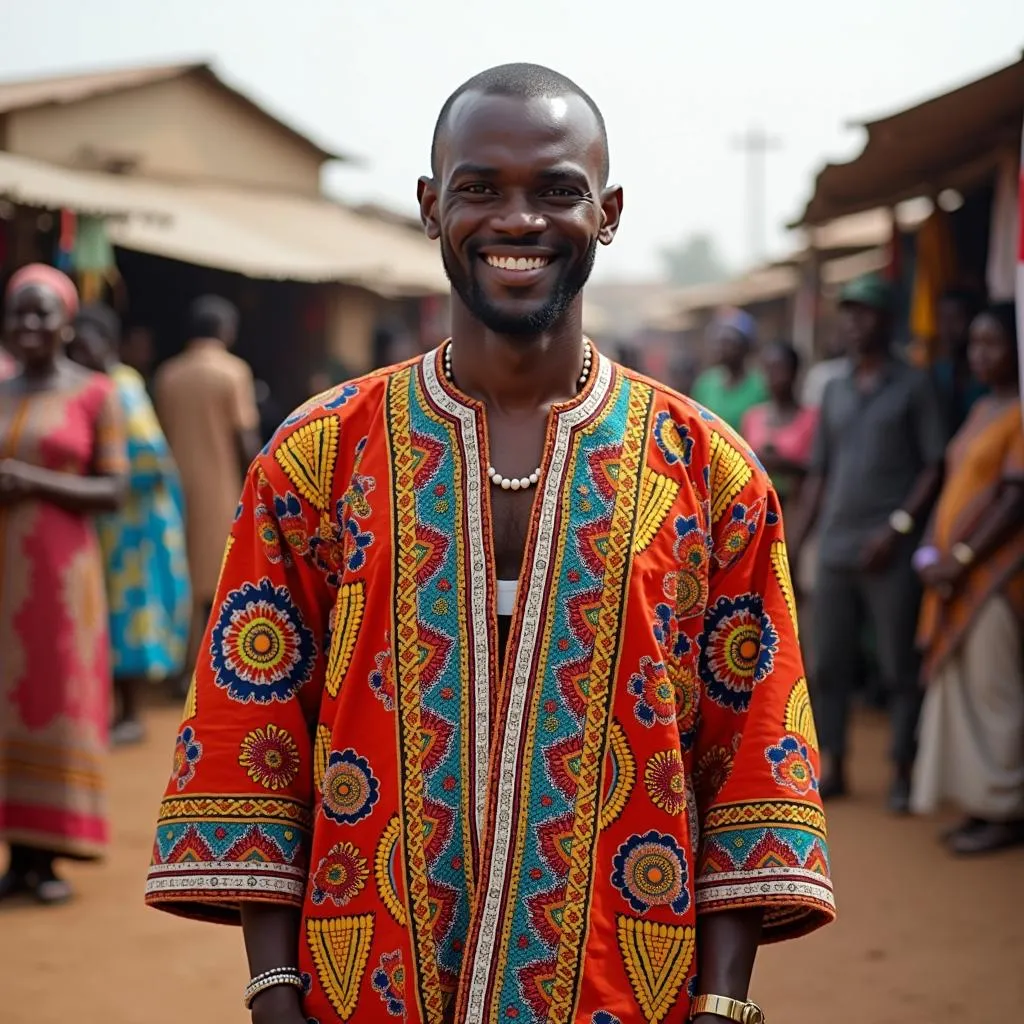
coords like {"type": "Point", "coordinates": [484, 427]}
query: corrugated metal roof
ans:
{"type": "Point", "coordinates": [259, 234]}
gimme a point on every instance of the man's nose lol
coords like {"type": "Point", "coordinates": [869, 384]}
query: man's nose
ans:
{"type": "Point", "coordinates": [518, 217]}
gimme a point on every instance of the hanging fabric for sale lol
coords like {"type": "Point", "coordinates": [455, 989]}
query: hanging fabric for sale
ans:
{"type": "Point", "coordinates": [93, 258]}
{"type": "Point", "coordinates": [64, 257]}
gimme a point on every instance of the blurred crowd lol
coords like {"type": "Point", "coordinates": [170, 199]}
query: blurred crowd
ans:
{"type": "Point", "coordinates": [903, 488]}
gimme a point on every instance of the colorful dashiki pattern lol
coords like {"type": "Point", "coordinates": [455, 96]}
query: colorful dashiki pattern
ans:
{"type": "Point", "coordinates": [475, 845]}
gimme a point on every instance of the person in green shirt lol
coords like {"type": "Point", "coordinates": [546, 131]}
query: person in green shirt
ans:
{"type": "Point", "coordinates": [731, 386]}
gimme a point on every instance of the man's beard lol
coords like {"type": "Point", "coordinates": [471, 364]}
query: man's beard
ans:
{"type": "Point", "coordinates": [567, 286]}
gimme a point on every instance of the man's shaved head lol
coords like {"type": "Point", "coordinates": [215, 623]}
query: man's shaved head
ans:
{"type": "Point", "coordinates": [525, 81]}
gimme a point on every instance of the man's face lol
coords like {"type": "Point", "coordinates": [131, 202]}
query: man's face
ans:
{"type": "Point", "coordinates": [732, 348]}
{"type": "Point", "coordinates": [519, 204]}
{"type": "Point", "coordinates": [861, 328]}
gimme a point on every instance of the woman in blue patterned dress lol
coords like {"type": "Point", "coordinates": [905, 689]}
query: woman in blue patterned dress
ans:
{"type": "Point", "coordinates": [144, 543]}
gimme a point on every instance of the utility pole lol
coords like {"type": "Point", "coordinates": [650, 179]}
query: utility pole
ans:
{"type": "Point", "coordinates": [755, 145]}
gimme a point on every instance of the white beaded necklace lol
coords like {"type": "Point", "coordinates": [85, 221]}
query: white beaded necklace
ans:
{"type": "Point", "coordinates": [523, 482]}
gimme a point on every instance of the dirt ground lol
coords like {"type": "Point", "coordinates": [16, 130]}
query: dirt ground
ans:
{"type": "Point", "coordinates": [921, 938]}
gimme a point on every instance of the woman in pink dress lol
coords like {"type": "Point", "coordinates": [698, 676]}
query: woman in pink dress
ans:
{"type": "Point", "coordinates": [62, 458]}
{"type": "Point", "coordinates": [781, 431]}
{"type": "Point", "coordinates": [8, 367]}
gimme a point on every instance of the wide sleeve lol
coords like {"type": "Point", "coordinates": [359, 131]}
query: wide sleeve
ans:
{"type": "Point", "coordinates": [762, 827]}
{"type": "Point", "coordinates": [235, 821]}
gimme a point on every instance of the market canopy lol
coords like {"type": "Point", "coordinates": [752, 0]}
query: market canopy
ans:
{"type": "Point", "coordinates": [951, 141]}
{"type": "Point", "coordinates": [286, 237]}
{"type": "Point", "coordinates": [261, 234]}
{"type": "Point", "coordinates": [37, 183]}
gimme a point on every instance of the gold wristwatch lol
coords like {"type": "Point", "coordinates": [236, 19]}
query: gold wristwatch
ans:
{"type": "Point", "coordinates": [731, 1009]}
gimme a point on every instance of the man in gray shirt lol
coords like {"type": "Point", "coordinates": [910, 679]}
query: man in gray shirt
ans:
{"type": "Point", "coordinates": [875, 472]}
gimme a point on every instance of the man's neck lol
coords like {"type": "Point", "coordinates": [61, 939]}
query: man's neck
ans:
{"type": "Point", "coordinates": [517, 373]}
{"type": "Point", "coordinates": [204, 342]}
{"type": "Point", "coordinates": [867, 364]}
{"type": "Point", "coordinates": [735, 375]}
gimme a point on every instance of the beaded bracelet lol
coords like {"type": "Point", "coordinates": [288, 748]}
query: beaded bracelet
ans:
{"type": "Point", "coordinates": [271, 979]}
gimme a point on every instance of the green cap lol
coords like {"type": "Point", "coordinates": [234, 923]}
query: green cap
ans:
{"type": "Point", "coordinates": [871, 290]}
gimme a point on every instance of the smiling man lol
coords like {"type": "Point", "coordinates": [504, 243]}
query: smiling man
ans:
{"type": "Point", "coordinates": [501, 714]}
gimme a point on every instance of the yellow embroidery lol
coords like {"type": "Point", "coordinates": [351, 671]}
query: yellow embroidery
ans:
{"type": "Point", "coordinates": [765, 813]}
{"type": "Point", "coordinates": [666, 781]}
{"type": "Point", "coordinates": [270, 757]}
{"type": "Point", "coordinates": [307, 457]}
{"type": "Point", "coordinates": [625, 776]}
{"type": "Point", "coordinates": [780, 566]}
{"type": "Point", "coordinates": [255, 809]}
{"type": "Point", "coordinates": [321, 752]}
{"type": "Point", "coordinates": [596, 727]}
{"type": "Point", "coordinates": [348, 614]}
{"type": "Point", "coordinates": [224, 560]}
{"type": "Point", "coordinates": [191, 701]}
{"type": "Point", "coordinates": [730, 473]}
{"type": "Point", "coordinates": [658, 959]}
{"type": "Point", "coordinates": [657, 496]}
{"type": "Point", "coordinates": [799, 716]}
{"type": "Point", "coordinates": [340, 948]}
{"type": "Point", "coordinates": [409, 698]}
{"type": "Point", "coordinates": [387, 850]}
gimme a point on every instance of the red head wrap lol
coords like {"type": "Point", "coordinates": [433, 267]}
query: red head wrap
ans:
{"type": "Point", "coordinates": [43, 276]}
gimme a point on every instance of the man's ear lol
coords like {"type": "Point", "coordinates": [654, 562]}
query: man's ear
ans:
{"type": "Point", "coordinates": [426, 194]}
{"type": "Point", "coordinates": [611, 213]}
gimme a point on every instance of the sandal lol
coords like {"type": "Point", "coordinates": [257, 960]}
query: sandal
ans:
{"type": "Point", "coordinates": [987, 838]}
{"type": "Point", "coordinates": [52, 891]}
{"type": "Point", "coordinates": [970, 824]}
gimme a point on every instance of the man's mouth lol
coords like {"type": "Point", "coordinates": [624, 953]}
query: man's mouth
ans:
{"type": "Point", "coordinates": [520, 263]}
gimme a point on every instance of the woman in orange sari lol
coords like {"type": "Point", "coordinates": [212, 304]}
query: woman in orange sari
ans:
{"type": "Point", "coordinates": [972, 726]}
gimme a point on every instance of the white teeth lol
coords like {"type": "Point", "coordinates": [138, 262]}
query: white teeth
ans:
{"type": "Point", "coordinates": [520, 263]}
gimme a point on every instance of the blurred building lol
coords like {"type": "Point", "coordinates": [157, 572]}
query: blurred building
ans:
{"type": "Point", "coordinates": [155, 184]}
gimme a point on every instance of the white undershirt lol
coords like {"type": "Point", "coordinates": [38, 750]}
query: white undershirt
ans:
{"type": "Point", "coordinates": [507, 596]}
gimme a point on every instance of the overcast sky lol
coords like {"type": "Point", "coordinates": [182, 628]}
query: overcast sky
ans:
{"type": "Point", "coordinates": [677, 81]}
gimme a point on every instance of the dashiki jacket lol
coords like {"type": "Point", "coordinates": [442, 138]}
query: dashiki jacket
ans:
{"type": "Point", "coordinates": [475, 844]}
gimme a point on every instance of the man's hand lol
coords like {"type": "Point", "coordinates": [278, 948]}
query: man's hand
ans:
{"type": "Point", "coordinates": [279, 1005]}
{"type": "Point", "coordinates": [879, 549]}
{"type": "Point", "coordinates": [17, 481]}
